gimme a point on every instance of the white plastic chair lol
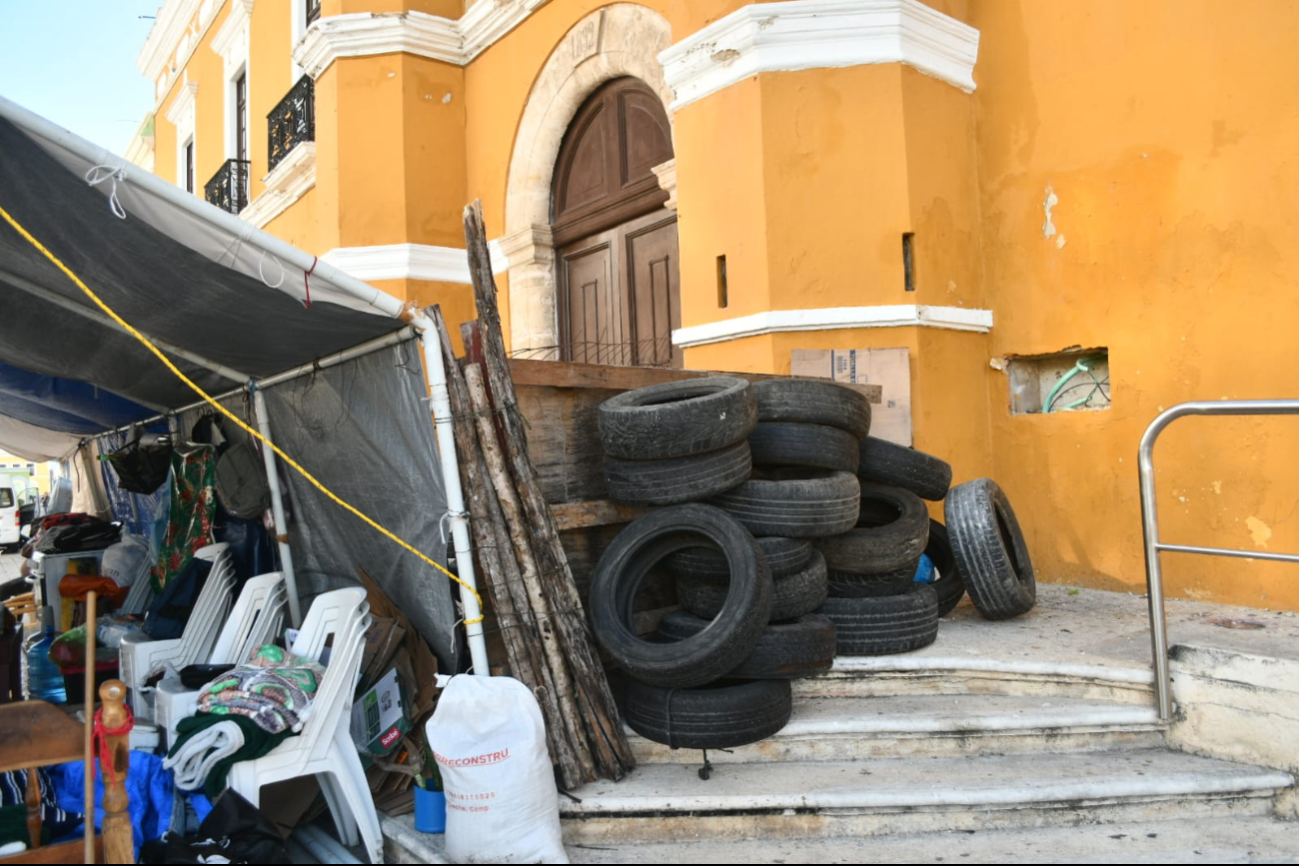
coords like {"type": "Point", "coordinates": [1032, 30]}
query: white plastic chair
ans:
{"type": "Point", "coordinates": [325, 748]}
{"type": "Point", "coordinates": [141, 656]}
{"type": "Point", "coordinates": [254, 621]}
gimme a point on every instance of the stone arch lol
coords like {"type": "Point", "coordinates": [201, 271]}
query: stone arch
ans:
{"type": "Point", "coordinates": [617, 40]}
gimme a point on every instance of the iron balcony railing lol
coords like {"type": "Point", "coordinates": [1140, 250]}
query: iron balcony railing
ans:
{"type": "Point", "coordinates": [1150, 527]}
{"type": "Point", "coordinates": [228, 188]}
{"type": "Point", "coordinates": [291, 122]}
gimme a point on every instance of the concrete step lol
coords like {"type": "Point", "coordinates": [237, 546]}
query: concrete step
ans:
{"type": "Point", "coordinates": [872, 676]}
{"type": "Point", "coordinates": [1241, 840]}
{"type": "Point", "coordinates": [857, 728]}
{"type": "Point", "coordinates": [662, 802]}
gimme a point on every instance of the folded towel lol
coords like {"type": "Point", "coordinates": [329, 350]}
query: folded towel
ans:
{"type": "Point", "coordinates": [195, 757]}
{"type": "Point", "coordinates": [202, 759]}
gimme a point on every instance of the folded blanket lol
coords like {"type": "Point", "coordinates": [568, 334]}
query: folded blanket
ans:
{"type": "Point", "coordinates": [207, 746]}
{"type": "Point", "coordinates": [274, 689]}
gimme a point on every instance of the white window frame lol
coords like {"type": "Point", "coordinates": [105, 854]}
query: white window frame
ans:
{"type": "Point", "coordinates": [232, 109]}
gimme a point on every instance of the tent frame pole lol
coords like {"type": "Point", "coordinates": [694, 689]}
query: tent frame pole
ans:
{"type": "Point", "coordinates": [456, 515]}
{"type": "Point", "coordinates": [277, 509]}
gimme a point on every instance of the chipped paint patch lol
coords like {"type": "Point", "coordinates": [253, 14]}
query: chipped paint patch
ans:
{"type": "Point", "coordinates": [1259, 531]}
{"type": "Point", "coordinates": [725, 57]}
{"type": "Point", "coordinates": [1060, 242]}
{"type": "Point", "coordinates": [1217, 487]}
{"type": "Point", "coordinates": [1048, 227]}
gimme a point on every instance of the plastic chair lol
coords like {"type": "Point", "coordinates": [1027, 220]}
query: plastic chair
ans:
{"type": "Point", "coordinates": [137, 600]}
{"type": "Point", "coordinates": [325, 748]}
{"type": "Point", "coordinates": [140, 656]}
{"type": "Point", "coordinates": [254, 621]}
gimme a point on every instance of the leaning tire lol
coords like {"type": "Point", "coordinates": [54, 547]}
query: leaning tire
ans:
{"type": "Point", "coordinates": [814, 402]}
{"type": "Point", "coordinates": [677, 419]}
{"type": "Point", "coordinates": [989, 549]}
{"type": "Point", "coordinates": [949, 587]}
{"type": "Point", "coordinates": [802, 647]}
{"type": "Point", "coordinates": [883, 462]}
{"type": "Point", "coordinates": [884, 625]}
{"type": "Point", "coordinates": [793, 596]}
{"type": "Point", "coordinates": [785, 556]}
{"type": "Point", "coordinates": [677, 479]}
{"type": "Point", "coordinates": [795, 503]}
{"type": "Point", "coordinates": [786, 443]}
{"type": "Point", "coordinates": [629, 559]}
{"type": "Point", "coordinates": [891, 531]}
{"type": "Point", "coordinates": [721, 716]}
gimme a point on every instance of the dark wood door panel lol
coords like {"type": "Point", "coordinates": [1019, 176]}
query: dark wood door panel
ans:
{"type": "Point", "coordinates": [654, 274]}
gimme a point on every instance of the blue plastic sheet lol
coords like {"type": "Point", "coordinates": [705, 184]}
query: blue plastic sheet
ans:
{"type": "Point", "coordinates": [66, 405]}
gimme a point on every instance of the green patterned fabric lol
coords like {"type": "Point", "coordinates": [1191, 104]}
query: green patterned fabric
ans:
{"type": "Point", "coordinates": [273, 688]}
{"type": "Point", "coordinates": [193, 505]}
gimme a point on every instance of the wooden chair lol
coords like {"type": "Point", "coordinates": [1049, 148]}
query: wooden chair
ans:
{"type": "Point", "coordinates": [37, 734]}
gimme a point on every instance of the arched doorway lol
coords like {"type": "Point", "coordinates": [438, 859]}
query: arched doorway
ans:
{"type": "Point", "coordinates": [617, 269]}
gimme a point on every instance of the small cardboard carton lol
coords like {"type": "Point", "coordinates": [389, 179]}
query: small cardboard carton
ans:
{"type": "Point", "coordinates": [379, 717]}
{"type": "Point", "coordinates": [883, 375]}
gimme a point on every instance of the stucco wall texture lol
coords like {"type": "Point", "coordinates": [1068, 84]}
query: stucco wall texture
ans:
{"type": "Point", "coordinates": [1167, 133]}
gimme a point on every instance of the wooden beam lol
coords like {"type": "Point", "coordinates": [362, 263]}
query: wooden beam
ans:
{"type": "Point", "coordinates": [597, 512]}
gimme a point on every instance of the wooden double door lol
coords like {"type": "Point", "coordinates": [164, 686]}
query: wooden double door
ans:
{"type": "Point", "coordinates": [618, 269]}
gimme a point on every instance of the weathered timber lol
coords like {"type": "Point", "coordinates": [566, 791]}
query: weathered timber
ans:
{"type": "Point", "coordinates": [599, 512]}
{"type": "Point", "coordinates": [584, 768]}
{"type": "Point", "coordinates": [114, 761]}
{"type": "Point", "coordinates": [613, 753]}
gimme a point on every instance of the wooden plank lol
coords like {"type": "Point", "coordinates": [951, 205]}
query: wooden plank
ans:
{"type": "Point", "coordinates": [598, 512]}
{"type": "Point", "coordinates": [63, 852]}
{"type": "Point", "coordinates": [36, 734]}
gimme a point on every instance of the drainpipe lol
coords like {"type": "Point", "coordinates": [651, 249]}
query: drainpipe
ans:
{"type": "Point", "coordinates": [456, 515]}
{"type": "Point", "coordinates": [277, 507]}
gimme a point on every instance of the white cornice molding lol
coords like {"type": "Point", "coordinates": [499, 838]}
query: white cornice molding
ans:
{"type": "Point", "coordinates": [834, 319]}
{"type": "Point", "coordinates": [288, 182]}
{"type": "Point", "coordinates": [667, 174]}
{"type": "Point", "coordinates": [169, 25]}
{"type": "Point", "coordinates": [363, 34]}
{"type": "Point", "coordinates": [233, 34]}
{"type": "Point", "coordinates": [183, 105]}
{"type": "Point", "coordinates": [409, 262]}
{"type": "Point", "coordinates": [815, 34]}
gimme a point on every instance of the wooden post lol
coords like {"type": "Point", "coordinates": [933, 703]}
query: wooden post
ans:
{"type": "Point", "coordinates": [501, 571]}
{"type": "Point", "coordinates": [114, 762]}
{"type": "Point", "coordinates": [89, 698]}
{"type": "Point", "coordinates": [32, 798]}
{"type": "Point", "coordinates": [600, 713]}
{"type": "Point", "coordinates": [584, 771]}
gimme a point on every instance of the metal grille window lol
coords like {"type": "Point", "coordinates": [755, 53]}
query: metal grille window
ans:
{"type": "Point", "coordinates": [228, 188]}
{"type": "Point", "coordinates": [313, 10]}
{"type": "Point", "coordinates": [241, 128]}
{"type": "Point", "coordinates": [189, 166]}
{"type": "Point", "coordinates": [291, 122]}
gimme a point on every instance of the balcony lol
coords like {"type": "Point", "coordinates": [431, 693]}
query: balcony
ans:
{"type": "Point", "coordinates": [292, 122]}
{"type": "Point", "coordinates": [228, 188]}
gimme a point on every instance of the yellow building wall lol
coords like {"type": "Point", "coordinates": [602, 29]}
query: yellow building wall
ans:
{"type": "Point", "coordinates": [1167, 131]}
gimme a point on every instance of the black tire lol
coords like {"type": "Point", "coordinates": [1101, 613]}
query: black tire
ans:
{"type": "Point", "coordinates": [721, 716]}
{"type": "Point", "coordinates": [886, 463]}
{"type": "Point", "coordinates": [795, 503]}
{"type": "Point", "coordinates": [846, 584]}
{"type": "Point", "coordinates": [949, 587]}
{"type": "Point", "coordinates": [677, 479]}
{"type": "Point", "coordinates": [793, 596]}
{"type": "Point", "coordinates": [786, 443]}
{"type": "Point", "coordinates": [989, 549]}
{"type": "Point", "coordinates": [886, 624]}
{"type": "Point", "coordinates": [785, 556]}
{"type": "Point", "coordinates": [892, 530]}
{"type": "Point", "coordinates": [814, 401]}
{"type": "Point", "coordinates": [629, 559]}
{"type": "Point", "coordinates": [677, 419]}
{"type": "Point", "coordinates": [801, 647]}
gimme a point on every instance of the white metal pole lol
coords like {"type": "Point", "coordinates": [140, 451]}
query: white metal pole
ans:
{"type": "Point", "coordinates": [277, 509]}
{"type": "Point", "coordinates": [446, 439]}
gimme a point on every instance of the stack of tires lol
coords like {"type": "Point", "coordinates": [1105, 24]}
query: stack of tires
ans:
{"type": "Point", "coordinates": [791, 535]}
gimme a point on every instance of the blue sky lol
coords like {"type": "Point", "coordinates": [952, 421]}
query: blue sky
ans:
{"type": "Point", "coordinates": [73, 61]}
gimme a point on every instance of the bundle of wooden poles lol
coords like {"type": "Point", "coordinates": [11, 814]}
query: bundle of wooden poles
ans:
{"type": "Point", "coordinates": [522, 563]}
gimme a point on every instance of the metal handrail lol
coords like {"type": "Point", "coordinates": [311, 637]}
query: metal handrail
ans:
{"type": "Point", "coordinates": [1150, 526]}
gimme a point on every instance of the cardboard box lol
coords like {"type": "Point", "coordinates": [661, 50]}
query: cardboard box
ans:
{"type": "Point", "coordinates": [884, 375]}
{"type": "Point", "coordinates": [379, 717]}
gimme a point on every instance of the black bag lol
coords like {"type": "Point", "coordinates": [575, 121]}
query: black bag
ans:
{"type": "Point", "coordinates": [234, 830]}
{"type": "Point", "coordinates": [170, 609]}
{"type": "Point", "coordinates": [92, 534]}
{"type": "Point", "coordinates": [141, 468]}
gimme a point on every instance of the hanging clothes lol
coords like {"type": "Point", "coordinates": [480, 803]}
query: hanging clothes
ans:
{"type": "Point", "coordinates": [193, 506]}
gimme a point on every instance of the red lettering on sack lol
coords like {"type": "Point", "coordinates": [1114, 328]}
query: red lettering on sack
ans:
{"type": "Point", "coordinates": [475, 761]}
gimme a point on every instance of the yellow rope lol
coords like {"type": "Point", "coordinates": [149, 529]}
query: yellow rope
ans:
{"type": "Point", "coordinates": [207, 398]}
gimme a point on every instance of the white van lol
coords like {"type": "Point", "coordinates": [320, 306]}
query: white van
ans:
{"type": "Point", "coordinates": [9, 519]}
